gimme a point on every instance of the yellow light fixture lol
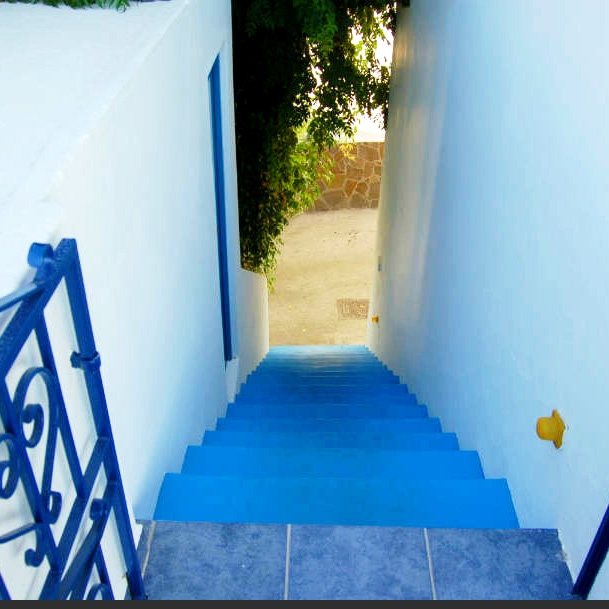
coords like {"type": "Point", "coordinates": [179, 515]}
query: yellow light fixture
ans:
{"type": "Point", "coordinates": [552, 429]}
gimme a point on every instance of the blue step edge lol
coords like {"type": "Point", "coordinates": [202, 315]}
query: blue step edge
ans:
{"type": "Point", "coordinates": [324, 411]}
{"type": "Point", "coordinates": [404, 426]}
{"type": "Point", "coordinates": [369, 440]}
{"type": "Point", "coordinates": [307, 462]}
{"type": "Point", "coordinates": [459, 504]}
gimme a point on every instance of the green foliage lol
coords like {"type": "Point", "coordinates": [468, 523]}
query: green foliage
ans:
{"type": "Point", "coordinates": [301, 81]}
{"type": "Point", "coordinates": [298, 71]}
{"type": "Point", "coordinates": [119, 4]}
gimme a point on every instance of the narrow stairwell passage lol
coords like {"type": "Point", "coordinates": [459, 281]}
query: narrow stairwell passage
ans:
{"type": "Point", "coordinates": [327, 435]}
{"type": "Point", "coordinates": [328, 480]}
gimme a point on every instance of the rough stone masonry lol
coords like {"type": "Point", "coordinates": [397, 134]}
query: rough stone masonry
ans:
{"type": "Point", "coordinates": [356, 181]}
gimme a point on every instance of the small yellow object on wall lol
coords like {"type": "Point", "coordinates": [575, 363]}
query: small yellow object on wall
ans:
{"type": "Point", "coordinates": [552, 429]}
{"type": "Point", "coordinates": [375, 319]}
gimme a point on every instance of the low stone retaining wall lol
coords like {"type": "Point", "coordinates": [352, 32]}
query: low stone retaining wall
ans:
{"type": "Point", "coordinates": [357, 177]}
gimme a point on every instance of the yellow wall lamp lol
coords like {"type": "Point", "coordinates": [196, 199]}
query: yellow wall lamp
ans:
{"type": "Point", "coordinates": [552, 429]}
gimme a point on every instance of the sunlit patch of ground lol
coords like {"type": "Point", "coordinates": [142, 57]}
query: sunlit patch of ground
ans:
{"type": "Point", "coordinates": [327, 257]}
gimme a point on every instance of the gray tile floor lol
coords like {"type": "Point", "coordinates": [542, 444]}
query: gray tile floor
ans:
{"type": "Point", "coordinates": [251, 562]}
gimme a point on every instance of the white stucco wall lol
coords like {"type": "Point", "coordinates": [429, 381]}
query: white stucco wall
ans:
{"type": "Point", "coordinates": [253, 322]}
{"type": "Point", "coordinates": [493, 295]}
{"type": "Point", "coordinates": [251, 331]}
{"type": "Point", "coordinates": [105, 136]}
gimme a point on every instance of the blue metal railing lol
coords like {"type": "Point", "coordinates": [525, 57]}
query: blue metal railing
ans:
{"type": "Point", "coordinates": [594, 560]}
{"type": "Point", "coordinates": [71, 571]}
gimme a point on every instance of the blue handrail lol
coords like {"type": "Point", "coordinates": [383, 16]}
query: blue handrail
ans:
{"type": "Point", "coordinates": [23, 429]}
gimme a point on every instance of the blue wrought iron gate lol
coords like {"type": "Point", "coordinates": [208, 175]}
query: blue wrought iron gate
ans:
{"type": "Point", "coordinates": [75, 570]}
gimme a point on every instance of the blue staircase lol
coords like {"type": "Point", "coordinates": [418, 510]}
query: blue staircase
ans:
{"type": "Point", "coordinates": [328, 436]}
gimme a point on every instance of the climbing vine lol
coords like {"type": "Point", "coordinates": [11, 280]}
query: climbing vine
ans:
{"type": "Point", "coordinates": [120, 4]}
{"type": "Point", "coordinates": [304, 71]}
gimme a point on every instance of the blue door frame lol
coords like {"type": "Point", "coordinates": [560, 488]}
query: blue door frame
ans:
{"type": "Point", "coordinates": [218, 146]}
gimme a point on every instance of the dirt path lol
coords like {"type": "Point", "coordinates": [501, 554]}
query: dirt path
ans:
{"type": "Point", "coordinates": [327, 257]}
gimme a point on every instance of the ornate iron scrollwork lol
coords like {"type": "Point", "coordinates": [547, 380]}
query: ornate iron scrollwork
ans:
{"type": "Point", "coordinates": [9, 469]}
{"type": "Point", "coordinates": [25, 425]}
{"type": "Point", "coordinates": [33, 414]}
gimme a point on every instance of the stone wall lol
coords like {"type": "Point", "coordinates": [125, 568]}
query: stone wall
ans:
{"type": "Point", "coordinates": [357, 177]}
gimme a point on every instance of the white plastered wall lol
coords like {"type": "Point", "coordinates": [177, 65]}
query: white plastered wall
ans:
{"type": "Point", "coordinates": [493, 292]}
{"type": "Point", "coordinates": [253, 322]}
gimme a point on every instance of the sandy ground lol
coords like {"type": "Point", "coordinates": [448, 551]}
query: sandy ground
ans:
{"type": "Point", "coordinates": [326, 256]}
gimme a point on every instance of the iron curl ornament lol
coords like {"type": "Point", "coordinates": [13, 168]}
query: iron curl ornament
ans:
{"type": "Point", "coordinates": [74, 570]}
{"type": "Point", "coordinates": [33, 414]}
{"type": "Point", "coordinates": [9, 468]}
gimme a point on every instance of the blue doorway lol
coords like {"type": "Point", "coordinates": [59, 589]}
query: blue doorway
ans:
{"type": "Point", "coordinates": [218, 146]}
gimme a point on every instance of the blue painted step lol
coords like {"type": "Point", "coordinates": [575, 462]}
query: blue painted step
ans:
{"type": "Point", "coordinates": [322, 360]}
{"type": "Point", "coordinates": [297, 461]}
{"type": "Point", "coordinates": [328, 435]}
{"type": "Point", "coordinates": [324, 411]}
{"type": "Point", "coordinates": [404, 426]}
{"type": "Point", "coordinates": [367, 375]}
{"type": "Point", "coordinates": [322, 368]}
{"type": "Point", "coordinates": [321, 379]}
{"type": "Point", "coordinates": [336, 367]}
{"type": "Point", "coordinates": [273, 354]}
{"type": "Point", "coordinates": [316, 359]}
{"type": "Point", "coordinates": [331, 351]}
{"type": "Point", "coordinates": [346, 357]}
{"type": "Point", "coordinates": [320, 439]}
{"type": "Point", "coordinates": [328, 398]}
{"type": "Point", "coordinates": [484, 504]}
{"type": "Point", "coordinates": [272, 358]}
{"type": "Point", "coordinates": [312, 390]}
{"type": "Point", "coordinates": [311, 349]}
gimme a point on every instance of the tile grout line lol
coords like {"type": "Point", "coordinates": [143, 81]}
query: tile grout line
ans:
{"type": "Point", "coordinates": [287, 564]}
{"type": "Point", "coordinates": [148, 549]}
{"type": "Point", "coordinates": [429, 560]}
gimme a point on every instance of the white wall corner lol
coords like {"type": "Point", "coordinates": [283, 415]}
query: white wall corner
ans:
{"type": "Point", "coordinates": [232, 380]}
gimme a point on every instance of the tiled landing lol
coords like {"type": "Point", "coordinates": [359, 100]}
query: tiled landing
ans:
{"type": "Point", "coordinates": [253, 562]}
